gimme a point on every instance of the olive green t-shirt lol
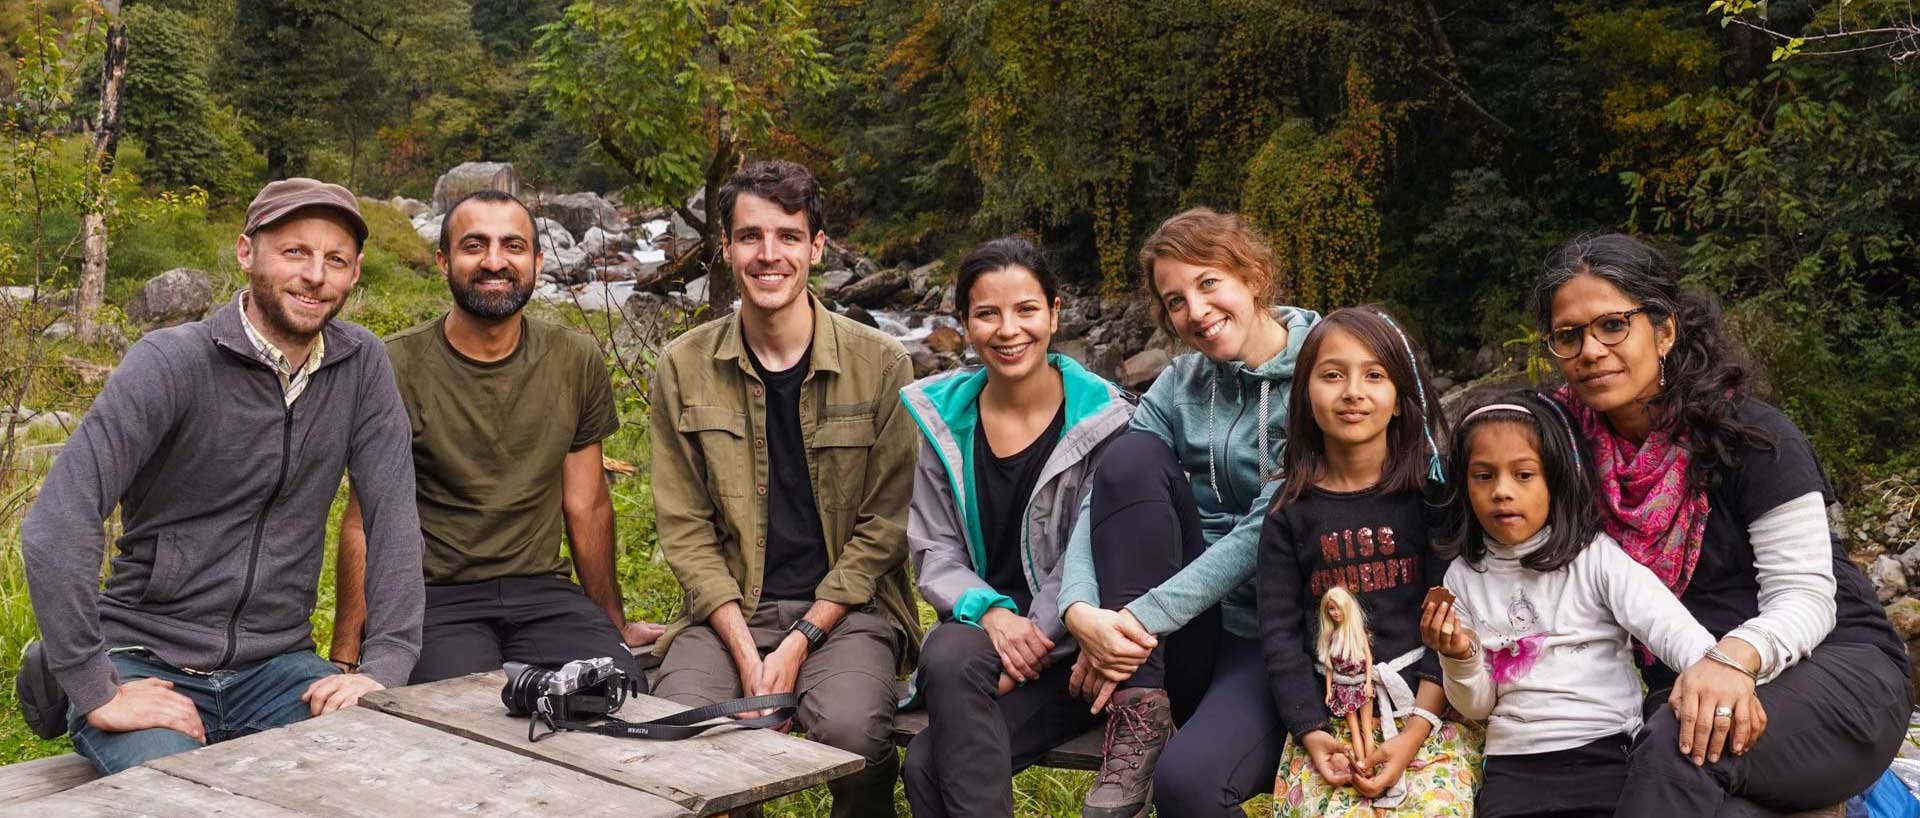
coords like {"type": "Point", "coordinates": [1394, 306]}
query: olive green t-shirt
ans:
{"type": "Point", "coordinates": [488, 442]}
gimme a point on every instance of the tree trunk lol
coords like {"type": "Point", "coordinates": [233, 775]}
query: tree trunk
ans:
{"type": "Point", "coordinates": [720, 292]}
{"type": "Point", "coordinates": [106, 141]}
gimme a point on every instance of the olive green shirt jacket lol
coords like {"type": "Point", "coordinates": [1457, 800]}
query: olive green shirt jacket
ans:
{"type": "Point", "coordinates": [710, 469]}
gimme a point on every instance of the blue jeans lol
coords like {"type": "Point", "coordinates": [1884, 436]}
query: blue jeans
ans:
{"type": "Point", "coordinates": [232, 703]}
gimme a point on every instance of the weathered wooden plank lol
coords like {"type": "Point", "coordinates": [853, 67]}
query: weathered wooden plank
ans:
{"type": "Point", "coordinates": [712, 773]}
{"type": "Point", "coordinates": [357, 763]}
{"type": "Point", "coordinates": [146, 793]}
{"type": "Point", "coordinates": [43, 776]}
{"type": "Point", "coordinates": [1082, 752]}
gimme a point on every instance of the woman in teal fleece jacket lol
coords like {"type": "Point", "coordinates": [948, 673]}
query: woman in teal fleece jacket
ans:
{"type": "Point", "coordinates": [1158, 584]}
{"type": "Point", "coordinates": [1006, 454]}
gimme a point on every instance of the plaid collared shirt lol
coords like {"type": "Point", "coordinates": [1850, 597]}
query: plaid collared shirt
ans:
{"type": "Point", "coordinates": [292, 381]}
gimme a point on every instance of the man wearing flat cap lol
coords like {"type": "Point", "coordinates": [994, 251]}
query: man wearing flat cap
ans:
{"type": "Point", "coordinates": [223, 442]}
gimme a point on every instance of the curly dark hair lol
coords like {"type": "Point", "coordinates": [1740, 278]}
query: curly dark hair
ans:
{"type": "Point", "coordinates": [1708, 374]}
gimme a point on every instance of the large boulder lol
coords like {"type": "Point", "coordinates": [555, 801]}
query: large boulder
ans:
{"type": "Point", "coordinates": [566, 264]}
{"type": "Point", "coordinates": [833, 281]}
{"type": "Point", "coordinates": [414, 208]}
{"type": "Point", "coordinates": [874, 291]}
{"type": "Point", "coordinates": [429, 229]}
{"type": "Point", "coordinates": [946, 340]}
{"type": "Point", "coordinates": [696, 289]}
{"type": "Point", "coordinates": [1139, 371]}
{"type": "Point", "coordinates": [553, 235]}
{"type": "Point", "coordinates": [174, 297]}
{"type": "Point", "coordinates": [581, 212]}
{"type": "Point", "coordinates": [468, 177]}
{"type": "Point", "coordinates": [599, 242]}
{"type": "Point", "coordinates": [924, 277]}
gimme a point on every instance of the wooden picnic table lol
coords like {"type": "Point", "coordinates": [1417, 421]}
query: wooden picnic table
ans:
{"type": "Point", "coordinates": [449, 749]}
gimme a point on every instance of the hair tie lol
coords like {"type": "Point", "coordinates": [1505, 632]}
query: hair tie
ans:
{"type": "Point", "coordinates": [1435, 471]}
{"type": "Point", "coordinates": [1566, 422]}
{"type": "Point", "coordinates": [1514, 407]}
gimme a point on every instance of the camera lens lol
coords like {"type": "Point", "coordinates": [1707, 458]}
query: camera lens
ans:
{"type": "Point", "coordinates": [522, 691]}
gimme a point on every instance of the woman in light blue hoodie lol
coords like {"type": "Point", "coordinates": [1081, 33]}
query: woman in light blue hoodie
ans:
{"type": "Point", "coordinates": [1158, 584]}
{"type": "Point", "coordinates": [1006, 455]}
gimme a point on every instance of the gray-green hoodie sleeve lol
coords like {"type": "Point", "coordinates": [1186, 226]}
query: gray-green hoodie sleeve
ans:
{"type": "Point", "coordinates": [1224, 566]}
{"type": "Point", "coordinates": [1077, 581]}
{"type": "Point", "coordinates": [380, 464]}
{"type": "Point", "coordinates": [63, 541]}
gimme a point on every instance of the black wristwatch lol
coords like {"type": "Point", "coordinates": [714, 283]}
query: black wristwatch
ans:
{"type": "Point", "coordinates": [807, 629]}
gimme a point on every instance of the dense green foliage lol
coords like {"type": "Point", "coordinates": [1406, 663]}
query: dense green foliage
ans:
{"type": "Point", "coordinates": [1418, 152]}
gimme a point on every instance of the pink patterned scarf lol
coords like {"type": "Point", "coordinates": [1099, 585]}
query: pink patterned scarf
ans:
{"type": "Point", "coordinates": [1648, 506]}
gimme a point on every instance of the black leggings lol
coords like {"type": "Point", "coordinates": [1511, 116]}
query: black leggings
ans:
{"type": "Point", "coordinates": [1834, 722]}
{"type": "Point", "coordinates": [1146, 527]}
{"type": "Point", "coordinates": [962, 764]}
{"type": "Point", "coordinates": [1579, 782]}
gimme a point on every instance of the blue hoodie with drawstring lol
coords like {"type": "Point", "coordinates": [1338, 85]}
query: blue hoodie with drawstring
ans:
{"type": "Point", "coordinates": [1226, 422]}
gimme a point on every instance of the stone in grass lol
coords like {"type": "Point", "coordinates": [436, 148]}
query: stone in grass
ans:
{"type": "Point", "coordinates": [174, 297]}
{"type": "Point", "coordinates": [1904, 613]}
{"type": "Point", "coordinates": [1889, 580]}
{"type": "Point", "coordinates": [945, 340]}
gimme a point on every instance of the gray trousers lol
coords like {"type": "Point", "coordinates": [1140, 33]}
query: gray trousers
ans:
{"type": "Point", "coordinates": [846, 691]}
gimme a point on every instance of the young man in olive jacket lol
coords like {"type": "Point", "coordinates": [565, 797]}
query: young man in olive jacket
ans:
{"type": "Point", "coordinates": [782, 468]}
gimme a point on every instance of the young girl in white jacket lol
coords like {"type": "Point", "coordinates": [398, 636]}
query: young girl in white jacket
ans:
{"type": "Point", "coordinates": [1537, 641]}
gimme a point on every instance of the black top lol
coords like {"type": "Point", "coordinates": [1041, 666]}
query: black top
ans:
{"type": "Point", "coordinates": [1001, 486]}
{"type": "Point", "coordinates": [1725, 589]}
{"type": "Point", "coordinates": [796, 541]}
{"type": "Point", "coordinates": [1374, 544]}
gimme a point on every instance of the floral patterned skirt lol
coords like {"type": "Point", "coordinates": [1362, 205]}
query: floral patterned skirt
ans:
{"type": "Point", "coordinates": [1441, 781]}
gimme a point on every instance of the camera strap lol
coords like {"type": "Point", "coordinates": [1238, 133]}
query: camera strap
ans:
{"type": "Point", "coordinates": [684, 724]}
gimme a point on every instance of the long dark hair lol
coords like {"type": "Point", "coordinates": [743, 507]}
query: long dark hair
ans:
{"type": "Point", "coordinates": [1407, 434]}
{"type": "Point", "coordinates": [1564, 463]}
{"type": "Point", "coordinates": [1707, 373]}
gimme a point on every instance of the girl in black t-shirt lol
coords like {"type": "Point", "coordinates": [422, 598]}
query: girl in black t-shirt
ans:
{"type": "Point", "coordinates": [1804, 700]}
{"type": "Point", "coordinates": [1352, 514]}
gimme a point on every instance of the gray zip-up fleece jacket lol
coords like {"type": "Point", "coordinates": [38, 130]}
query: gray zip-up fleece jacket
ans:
{"type": "Point", "coordinates": [943, 523]}
{"type": "Point", "coordinates": [223, 493]}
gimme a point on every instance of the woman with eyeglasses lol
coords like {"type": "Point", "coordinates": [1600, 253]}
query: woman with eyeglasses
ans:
{"type": "Point", "coordinates": [1805, 698]}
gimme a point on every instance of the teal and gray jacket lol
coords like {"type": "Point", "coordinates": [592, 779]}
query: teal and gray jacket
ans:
{"type": "Point", "coordinates": [943, 523]}
{"type": "Point", "coordinates": [1227, 424]}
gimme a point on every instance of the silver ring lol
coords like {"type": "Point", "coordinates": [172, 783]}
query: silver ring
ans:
{"type": "Point", "coordinates": [1723, 712]}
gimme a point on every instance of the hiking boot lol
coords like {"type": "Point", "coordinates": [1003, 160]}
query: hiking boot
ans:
{"type": "Point", "coordinates": [1139, 722]}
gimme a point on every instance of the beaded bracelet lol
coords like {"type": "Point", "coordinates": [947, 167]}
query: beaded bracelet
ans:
{"type": "Point", "coordinates": [1717, 655]}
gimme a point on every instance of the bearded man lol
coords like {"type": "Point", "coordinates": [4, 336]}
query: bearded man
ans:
{"type": "Point", "coordinates": [222, 442]}
{"type": "Point", "coordinates": [507, 415]}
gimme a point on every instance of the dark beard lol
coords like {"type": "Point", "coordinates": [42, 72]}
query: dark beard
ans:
{"type": "Point", "coordinates": [491, 306]}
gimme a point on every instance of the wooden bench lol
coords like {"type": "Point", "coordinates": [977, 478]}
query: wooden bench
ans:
{"type": "Point", "coordinates": [43, 776]}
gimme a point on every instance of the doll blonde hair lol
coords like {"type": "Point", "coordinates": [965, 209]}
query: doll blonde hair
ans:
{"type": "Point", "coordinates": [1347, 639]}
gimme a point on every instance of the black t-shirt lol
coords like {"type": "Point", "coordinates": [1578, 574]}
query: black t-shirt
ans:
{"type": "Point", "coordinates": [1725, 589]}
{"type": "Point", "coordinates": [1376, 545]}
{"type": "Point", "coordinates": [1002, 486]}
{"type": "Point", "coordinates": [796, 541]}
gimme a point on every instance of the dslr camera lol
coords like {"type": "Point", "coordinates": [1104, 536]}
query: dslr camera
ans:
{"type": "Point", "coordinates": [579, 691]}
